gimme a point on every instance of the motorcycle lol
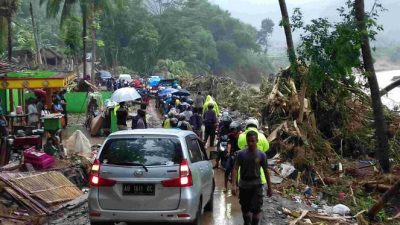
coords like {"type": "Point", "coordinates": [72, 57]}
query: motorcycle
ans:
{"type": "Point", "coordinates": [222, 150]}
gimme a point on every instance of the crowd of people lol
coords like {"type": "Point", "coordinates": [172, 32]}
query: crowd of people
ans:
{"type": "Point", "coordinates": [245, 161]}
{"type": "Point", "coordinates": [37, 108]}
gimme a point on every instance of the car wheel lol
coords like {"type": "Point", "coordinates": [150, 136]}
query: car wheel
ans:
{"type": "Point", "coordinates": [197, 220]}
{"type": "Point", "coordinates": [210, 204]}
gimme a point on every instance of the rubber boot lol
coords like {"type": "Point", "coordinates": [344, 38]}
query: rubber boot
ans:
{"type": "Point", "coordinates": [255, 221]}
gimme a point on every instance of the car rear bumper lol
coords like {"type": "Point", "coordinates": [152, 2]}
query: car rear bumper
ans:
{"type": "Point", "coordinates": [140, 216]}
{"type": "Point", "coordinates": [186, 212]}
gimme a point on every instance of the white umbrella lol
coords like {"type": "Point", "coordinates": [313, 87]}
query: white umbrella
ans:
{"type": "Point", "coordinates": [125, 95]}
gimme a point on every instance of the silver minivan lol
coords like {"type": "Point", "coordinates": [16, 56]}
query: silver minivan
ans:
{"type": "Point", "coordinates": [151, 175]}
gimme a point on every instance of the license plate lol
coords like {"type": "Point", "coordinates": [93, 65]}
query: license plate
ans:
{"type": "Point", "coordinates": [138, 189]}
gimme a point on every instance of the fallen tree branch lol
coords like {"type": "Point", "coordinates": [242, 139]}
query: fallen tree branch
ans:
{"type": "Point", "coordinates": [384, 199]}
{"type": "Point", "coordinates": [390, 87]}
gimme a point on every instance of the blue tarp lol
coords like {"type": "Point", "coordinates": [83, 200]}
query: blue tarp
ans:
{"type": "Point", "coordinates": [154, 80]}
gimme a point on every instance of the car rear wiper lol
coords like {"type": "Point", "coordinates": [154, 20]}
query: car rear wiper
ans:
{"type": "Point", "coordinates": [132, 164]}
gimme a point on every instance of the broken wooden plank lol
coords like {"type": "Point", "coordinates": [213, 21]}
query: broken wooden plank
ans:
{"type": "Point", "coordinates": [274, 133]}
{"type": "Point", "coordinates": [24, 201]}
{"type": "Point", "coordinates": [25, 195]}
{"type": "Point", "coordinates": [319, 176]}
{"type": "Point", "coordinates": [295, 221]}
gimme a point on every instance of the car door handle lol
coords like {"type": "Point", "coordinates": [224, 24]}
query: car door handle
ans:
{"type": "Point", "coordinates": [105, 172]}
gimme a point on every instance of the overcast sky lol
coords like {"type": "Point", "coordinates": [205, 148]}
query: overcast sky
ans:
{"type": "Point", "coordinates": [254, 11]}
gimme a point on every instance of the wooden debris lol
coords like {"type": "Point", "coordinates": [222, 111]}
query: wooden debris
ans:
{"type": "Point", "coordinates": [352, 195]}
{"type": "Point", "coordinates": [295, 221]}
{"type": "Point", "coordinates": [25, 201]}
{"type": "Point", "coordinates": [319, 176]}
{"type": "Point", "coordinates": [51, 187]}
{"type": "Point", "coordinates": [30, 201]}
{"type": "Point", "coordinates": [384, 199]}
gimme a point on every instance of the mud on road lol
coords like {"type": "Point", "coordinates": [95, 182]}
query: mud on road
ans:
{"type": "Point", "coordinates": [226, 207]}
{"type": "Point", "coordinates": [226, 210]}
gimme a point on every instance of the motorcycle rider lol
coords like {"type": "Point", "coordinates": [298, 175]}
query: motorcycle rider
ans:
{"type": "Point", "coordinates": [231, 149]}
{"type": "Point", "coordinates": [223, 131]}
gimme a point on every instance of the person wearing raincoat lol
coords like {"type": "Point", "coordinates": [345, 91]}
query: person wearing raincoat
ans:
{"type": "Point", "coordinates": [210, 100]}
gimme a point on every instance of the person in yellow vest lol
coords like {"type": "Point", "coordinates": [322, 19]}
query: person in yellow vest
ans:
{"type": "Point", "coordinates": [262, 144]}
{"type": "Point", "coordinates": [210, 100]}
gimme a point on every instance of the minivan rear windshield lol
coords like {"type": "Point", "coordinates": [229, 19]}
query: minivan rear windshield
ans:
{"type": "Point", "coordinates": [148, 151]}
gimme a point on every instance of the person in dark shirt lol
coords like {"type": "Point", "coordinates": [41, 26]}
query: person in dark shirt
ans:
{"type": "Point", "coordinates": [210, 122]}
{"type": "Point", "coordinates": [122, 116]}
{"type": "Point", "coordinates": [232, 148]}
{"type": "Point", "coordinates": [250, 161]}
{"type": "Point", "coordinates": [139, 121]}
{"type": "Point", "coordinates": [196, 122]}
{"type": "Point", "coordinates": [63, 101]}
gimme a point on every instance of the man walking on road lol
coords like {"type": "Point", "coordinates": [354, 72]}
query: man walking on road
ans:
{"type": "Point", "coordinates": [198, 103]}
{"type": "Point", "coordinates": [210, 122]}
{"type": "Point", "coordinates": [250, 161]}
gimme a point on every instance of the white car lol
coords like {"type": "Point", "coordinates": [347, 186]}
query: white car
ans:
{"type": "Point", "coordinates": [151, 175]}
{"type": "Point", "coordinates": [125, 77]}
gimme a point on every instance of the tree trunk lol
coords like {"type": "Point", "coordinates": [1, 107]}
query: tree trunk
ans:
{"type": "Point", "coordinates": [288, 32]}
{"type": "Point", "coordinates": [292, 57]}
{"type": "Point", "coordinates": [9, 39]}
{"type": "Point", "coordinates": [390, 87]}
{"type": "Point", "coordinates": [380, 125]}
{"type": "Point", "coordinates": [93, 35]}
{"type": "Point", "coordinates": [84, 33]}
{"type": "Point", "coordinates": [35, 36]}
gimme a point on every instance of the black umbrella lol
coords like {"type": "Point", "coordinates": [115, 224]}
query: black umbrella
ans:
{"type": "Point", "coordinates": [181, 92]}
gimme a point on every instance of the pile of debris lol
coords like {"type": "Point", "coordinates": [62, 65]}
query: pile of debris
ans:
{"type": "Point", "coordinates": [230, 94]}
{"type": "Point", "coordinates": [28, 198]}
{"type": "Point", "coordinates": [310, 169]}
{"type": "Point", "coordinates": [36, 185]}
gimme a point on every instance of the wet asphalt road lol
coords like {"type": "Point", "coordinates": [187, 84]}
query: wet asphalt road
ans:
{"type": "Point", "coordinates": [226, 207]}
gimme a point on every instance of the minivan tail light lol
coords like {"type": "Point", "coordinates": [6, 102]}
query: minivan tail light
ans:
{"type": "Point", "coordinates": [184, 179]}
{"type": "Point", "coordinates": [95, 180]}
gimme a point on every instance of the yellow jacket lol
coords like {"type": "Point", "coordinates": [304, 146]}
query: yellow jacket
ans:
{"type": "Point", "coordinates": [209, 100]}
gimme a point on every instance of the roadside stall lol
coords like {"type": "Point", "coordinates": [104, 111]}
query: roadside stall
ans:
{"type": "Point", "coordinates": [13, 86]}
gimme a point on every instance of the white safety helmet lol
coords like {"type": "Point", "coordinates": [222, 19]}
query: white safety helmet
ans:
{"type": "Point", "coordinates": [252, 121]}
{"type": "Point", "coordinates": [224, 114]}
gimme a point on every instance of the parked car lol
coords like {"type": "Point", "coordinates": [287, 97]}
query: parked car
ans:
{"type": "Point", "coordinates": [102, 76]}
{"type": "Point", "coordinates": [125, 78]}
{"type": "Point", "coordinates": [151, 175]}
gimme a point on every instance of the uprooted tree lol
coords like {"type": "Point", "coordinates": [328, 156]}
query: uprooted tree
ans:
{"type": "Point", "coordinates": [330, 52]}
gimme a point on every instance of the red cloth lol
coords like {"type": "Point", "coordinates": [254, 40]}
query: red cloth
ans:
{"type": "Point", "coordinates": [39, 93]}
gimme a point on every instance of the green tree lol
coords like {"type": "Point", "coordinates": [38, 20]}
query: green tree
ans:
{"type": "Point", "coordinates": [267, 27]}
{"type": "Point", "coordinates": [66, 8]}
{"type": "Point", "coordinates": [8, 8]}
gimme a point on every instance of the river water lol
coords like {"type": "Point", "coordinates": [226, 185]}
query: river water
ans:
{"type": "Point", "coordinates": [391, 99]}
